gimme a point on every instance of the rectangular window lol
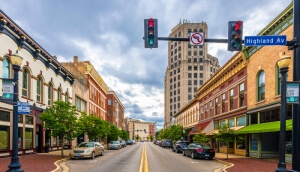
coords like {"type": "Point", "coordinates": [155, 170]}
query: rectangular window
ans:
{"type": "Point", "coordinates": [223, 123]}
{"type": "Point", "coordinates": [231, 99]}
{"type": "Point", "coordinates": [4, 116]}
{"type": "Point", "coordinates": [241, 121]}
{"type": "Point", "coordinates": [28, 119]}
{"type": "Point", "coordinates": [231, 122]}
{"type": "Point", "coordinates": [210, 108]}
{"type": "Point", "coordinates": [216, 106]}
{"type": "Point", "coordinates": [223, 103]}
{"type": "Point", "coordinates": [4, 137]}
{"type": "Point", "coordinates": [28, 138]}
{"type": "Point", "coordinates": [241, 95]}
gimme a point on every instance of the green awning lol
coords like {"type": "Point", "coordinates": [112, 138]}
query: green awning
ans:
{"type": "Point", "coordinates": [265, 127]}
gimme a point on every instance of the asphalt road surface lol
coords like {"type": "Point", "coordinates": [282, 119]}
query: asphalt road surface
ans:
{"type": "Point", "coordinates": [142, 157]}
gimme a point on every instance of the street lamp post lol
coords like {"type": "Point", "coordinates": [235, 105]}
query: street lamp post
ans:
{"type": "Point", "coordinates": [283, 64]}
{"type": "Point", "coordinates": [15, 165]}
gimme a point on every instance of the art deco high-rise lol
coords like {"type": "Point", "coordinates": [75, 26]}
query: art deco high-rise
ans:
{"type": "Point", "coordinates": [189, 66]}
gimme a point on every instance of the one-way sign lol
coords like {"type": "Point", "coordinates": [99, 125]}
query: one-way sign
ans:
{"type": "Point", "coordinates": [267, 40]}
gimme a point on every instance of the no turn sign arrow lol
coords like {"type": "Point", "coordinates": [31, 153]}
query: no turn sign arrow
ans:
{"type": "Point", "coordinates": [196, 38]}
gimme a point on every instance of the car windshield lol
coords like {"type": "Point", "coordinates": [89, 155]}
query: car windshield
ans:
{"type": "Point", "coordinates": [86, 144]}
{"type": "Point", "coordinates": [114, 142]}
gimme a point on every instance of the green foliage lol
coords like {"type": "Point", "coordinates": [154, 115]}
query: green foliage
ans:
{"type": "Point", "coordinates": [114, 132]}
{"type": "Point", "coordinates": [94, 127]}
{"type": "Point", "coordinates": [61, 120]}
{"type": "Point", "coordinates": [151, 137]}
{"type": "Point", "coordinates": [201, 138]}
{"type": "Point", "coordinates": [124, 135]}
{"type": "Point", "coordinates": [137, 137]}
{"type": "Point", "coordinates": [226, 135]}
{"type": "Point", "coordinates": [175, 132]}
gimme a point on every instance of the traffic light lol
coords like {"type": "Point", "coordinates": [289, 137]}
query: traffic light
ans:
{"type": "Point", "coordinates": [150, 33]}
{"type": "Point", "coordinates": [235, 35]}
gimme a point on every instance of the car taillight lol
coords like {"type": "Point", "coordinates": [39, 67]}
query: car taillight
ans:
{"type": "Point", "coordinates": [212, 150]}
{"type": "Point", "coordinates": [199, 150]}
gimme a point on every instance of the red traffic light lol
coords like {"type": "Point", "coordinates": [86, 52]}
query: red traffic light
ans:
{"type": "Point", "coordinates": [237, 25]}
{"type": "Point", "coordinates": [150, 22]}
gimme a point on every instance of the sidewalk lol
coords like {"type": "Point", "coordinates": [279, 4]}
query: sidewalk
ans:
{"type": "Point", "coordinates": [40, 162]}
{"type": "Point", "coordinates": [236, 163]}
{"type": "Point", "coordinates": [53, 162]}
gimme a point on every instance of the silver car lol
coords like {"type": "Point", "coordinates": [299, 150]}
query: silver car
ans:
{"type": "Point", "coordinates": [114, 145]}
{"type": "Point", "coordinates": [87, 150]}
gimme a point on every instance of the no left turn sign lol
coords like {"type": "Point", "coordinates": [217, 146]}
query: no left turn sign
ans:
{"type": "Point", "coordinates": [196, 38]}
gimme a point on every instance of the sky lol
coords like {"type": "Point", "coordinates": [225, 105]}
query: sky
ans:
{"type": "Point", "coordinates": [109, 34]}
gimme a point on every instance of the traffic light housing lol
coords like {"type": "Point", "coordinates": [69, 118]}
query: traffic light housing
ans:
{"type": "Point", "coordinates": [235, 35]}
{"type": "Point", "coordinates": [150, 33]}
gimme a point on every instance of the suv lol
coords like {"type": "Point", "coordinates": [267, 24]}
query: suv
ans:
{"type": "Point", "coordinates": [179, 145]}
{"type": "Point", "coordinates": [167, 143]}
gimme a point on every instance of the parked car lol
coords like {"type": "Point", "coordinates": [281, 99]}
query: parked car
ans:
{"type": "Point", "coordinates": [129, 142]}
{"type": "Point", "coordinates": [114, 145]}
{"type": "Point", "coordinates": [179, 145]}
{"type": "Point", "coordinates": [123, 143]}
{"type": "Point", "coordinates": [133, 141]}
{"type": "Point", "coordinates": [201, 150]}
{"type": "Point", "coordinates": [87, 150]}
{"type": "Point", "coordinates": [167, 143]}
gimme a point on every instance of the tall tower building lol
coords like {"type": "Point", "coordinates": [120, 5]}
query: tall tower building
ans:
{"type": "Point", "coordinates": [188, 68]}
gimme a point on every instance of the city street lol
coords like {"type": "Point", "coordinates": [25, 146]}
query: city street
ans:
{"type": "Point", "coordinates": [155, 158]}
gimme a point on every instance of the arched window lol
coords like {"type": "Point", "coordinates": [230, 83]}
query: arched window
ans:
{"type": "Point", "coordinates": [26, 83]}
{"type": "Point", "coordinates": [67, 97]}
{"type": "Point", "coordinates": [59, 93]}
{"type": "Point", "coordinates": [39, 89]}
{"type": "Point", "coordinates": [6, 68]}
{"type": "Point", "coordinates": [50, 94]}
{"type": "Point", "coordinates": [261, 86]}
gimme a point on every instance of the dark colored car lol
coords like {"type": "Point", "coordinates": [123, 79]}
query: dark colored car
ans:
{"type": "Point", "coordinates": [179, 145]}
{"type": "Point", "coordinates": [201, 150]}
{"type": "Point", "coordinates": [167, 143]}
{"type": "Point", "coordinates": [129, 142]}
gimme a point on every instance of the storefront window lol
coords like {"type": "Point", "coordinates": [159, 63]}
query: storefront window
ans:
{"type": "Point", "coordinates": [242, 143]}
{"type": "Point", "coordinates": [241, 121]}
{"type": "Point", "coordinates": [231, 122]}
{"type": "Point", "coordinates": [53, 141]}
{"type": "Point", "coordinates": [4, 116]}
{"type": "Point", "coordinates": [20, 134]}
{"type": "Point", "coordinates": [20, 118]}
{"type": "Point", "coordinates": [28, 119]}
{"type": "Point", "coordinates": [269, 141]}
{"type": "Point", "coordinates": [28, 138]}
{"type": "Point", "coordinates": [4, 137]}
{"type": "Point", "coordinates": [254, 142]}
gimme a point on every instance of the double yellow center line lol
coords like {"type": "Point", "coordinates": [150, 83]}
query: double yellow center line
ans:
{"type": "Point", "coordinates": [144, 161]}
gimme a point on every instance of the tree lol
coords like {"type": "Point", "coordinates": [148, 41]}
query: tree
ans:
{"type": "Point", "coordinates": [93, 126]}
{"type": "Point", "coordinates": [137, 137]}
{"type": "Point", "coordinates": [124, 135]}
{"type": "Point", "coordinates": [201, 138]}
{"type": "Point", "coordinates": [226, 135]}
{"type": "Point", "coordinates": [114, 132]}
{"type": "Point", "coordinates": [61, 120]}
{"type": "Point", "coordinates": [151, 137]}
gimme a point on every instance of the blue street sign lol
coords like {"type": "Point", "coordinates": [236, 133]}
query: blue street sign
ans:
{"type": "Point", "coordinates": [23, 108]}
{"type": "Point", "coordinates": [268, 40]}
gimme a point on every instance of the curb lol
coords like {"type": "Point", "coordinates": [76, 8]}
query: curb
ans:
{"type": "Point", "coordinates": [226, 165]}
{"type": "Point", "coordinates": [61, 166]}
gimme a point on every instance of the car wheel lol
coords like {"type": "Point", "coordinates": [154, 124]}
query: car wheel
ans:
{"type": "Point", "coordinates": [102, 153]}
{"type": "Point", "coordinates": [93, 155]}
{"type": "Point", "coordinates": [183, 153]}
{"type": "Point", "coordinates": [192, 155]}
